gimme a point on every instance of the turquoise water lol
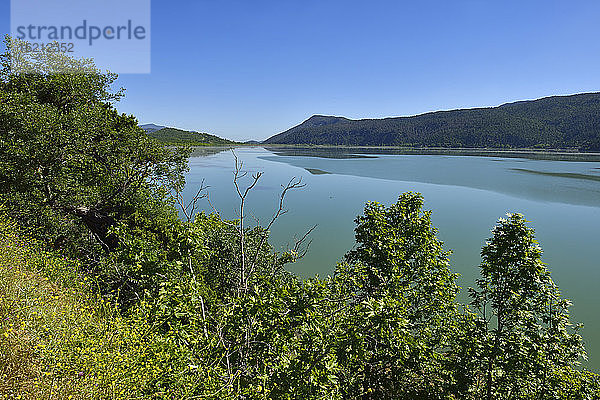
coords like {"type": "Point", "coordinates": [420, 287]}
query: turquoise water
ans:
{"type": "Point", "coordinates": [466, 193]}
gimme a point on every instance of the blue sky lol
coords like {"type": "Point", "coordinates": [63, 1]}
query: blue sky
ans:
{"type": "Point", "coordinates": [250, 69]}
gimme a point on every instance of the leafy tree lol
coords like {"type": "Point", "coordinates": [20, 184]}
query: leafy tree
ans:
{"type": "Point", "coordinates": [402, 306]}
{"type": "Point", "coordinates": [71, 166]}
{"type": "Point", "coordinates": [526, 330]}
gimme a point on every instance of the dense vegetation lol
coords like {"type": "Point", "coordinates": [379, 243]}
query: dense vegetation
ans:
{"type": "Point", "coordinates": [178, 136]}
{"type": "Point", "coordinates": [551, 122]}
{"type": "Point", "coordinates": [105, 292]}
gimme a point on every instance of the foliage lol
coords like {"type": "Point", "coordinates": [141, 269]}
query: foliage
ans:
{"type": "Point", "coordinates": [337, 337]}
{"type": "Point", "coordinates": [399, 271]}
{"type": "Point", "coordinates": [529, 339]}
{"type": "Point", "coordinates": [71, 166]}
{"type": "Point", "coordinates": [60, 341]}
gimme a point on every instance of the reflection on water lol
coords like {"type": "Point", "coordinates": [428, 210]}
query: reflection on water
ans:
{"type": "Point", "coordinates": [560, 174]}
{"type": "Point", "coordinates": [208, 151]}
{"type": "Point", "coordinates": [371, 152]}
{"type": "Point", "coordinates": [316, 171]}
{"type": "Point", "coordinates": [467, 195]}
{"type": "Point", "coordinates": [543, 180]}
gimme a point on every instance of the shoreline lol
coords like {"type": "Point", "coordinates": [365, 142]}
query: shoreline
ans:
{"type": "Point", "coordinates": [528, 153]}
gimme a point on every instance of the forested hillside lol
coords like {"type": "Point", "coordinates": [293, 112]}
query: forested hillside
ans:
{"type": "Point", "coordinates": [551, 122]}
{"type": "Point", "coordinates": [179, 136]}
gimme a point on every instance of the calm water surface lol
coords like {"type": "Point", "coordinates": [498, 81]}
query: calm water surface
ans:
{"type": "Point", "coordinates": [467, 196]}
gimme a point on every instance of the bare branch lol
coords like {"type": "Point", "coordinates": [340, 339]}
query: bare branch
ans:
{"type": "Point", "coordinates": [294, 183]}
{"type": "Point", "coordinates": [238, 173]}
{"type": "Point", "coordinates": [299, 249]}
{"type": "Point", "coordinates": [189, 209]}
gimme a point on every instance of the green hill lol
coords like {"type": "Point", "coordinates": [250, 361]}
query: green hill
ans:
{"type": "Point", "coordinates": [179, 136]}
{"type": "Point", "coordinates": [550, 122]}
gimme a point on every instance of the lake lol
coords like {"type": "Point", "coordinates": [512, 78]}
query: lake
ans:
{"type": "Point", "coordinates": [467, 195]}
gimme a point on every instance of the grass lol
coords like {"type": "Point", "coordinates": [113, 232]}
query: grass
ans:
{"type": "Point", "coordinates": [33, 314]}
{"type": "Point", "coordinates": [59, 341]}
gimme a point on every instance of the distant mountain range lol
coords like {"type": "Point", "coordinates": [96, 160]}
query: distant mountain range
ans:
{"type": "Point", "coordinates": [151, 127]}
{"type": "Point", "coordinates": [180, 136]}
{"type": "Point", "coordinates": [550, 122]}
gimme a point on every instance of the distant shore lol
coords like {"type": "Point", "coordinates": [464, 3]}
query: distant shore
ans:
{"type": "Point", "coordinates": [530, 153]}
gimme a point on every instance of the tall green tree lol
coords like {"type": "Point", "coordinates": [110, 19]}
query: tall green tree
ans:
{"type": "Point", "coordinates": [527, 337]}
{"type": "Point", "coordinates": [402, 303]}
{"type": "Point", "coordinates": [72, 166]}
